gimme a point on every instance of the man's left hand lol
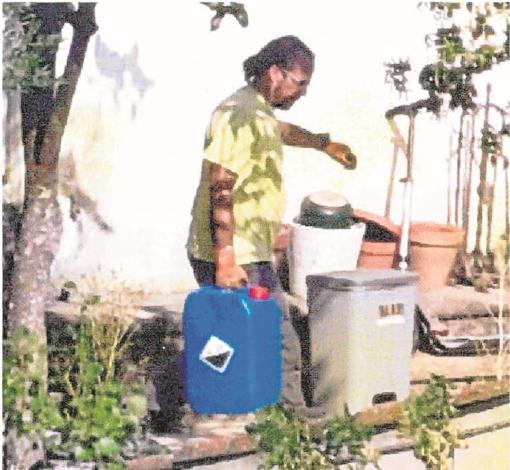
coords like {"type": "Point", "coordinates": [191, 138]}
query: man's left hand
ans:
{"type": "Point", "coordinates": [342, 154]}
{"type": "Point", "coordinates": [282, 238]}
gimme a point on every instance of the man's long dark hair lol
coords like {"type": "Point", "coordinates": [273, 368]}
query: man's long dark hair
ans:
{"type": "Point", "coordinates": [286, 52]}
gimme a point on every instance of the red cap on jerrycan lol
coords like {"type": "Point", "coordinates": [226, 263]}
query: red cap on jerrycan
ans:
{"type": "Point", "coordinates": [259, 293]}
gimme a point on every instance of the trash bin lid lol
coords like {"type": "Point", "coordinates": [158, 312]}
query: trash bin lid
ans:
{"type": "Point", "coordinates": [364, 279]}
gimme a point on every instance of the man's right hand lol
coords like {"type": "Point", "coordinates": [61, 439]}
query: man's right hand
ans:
{"type": "Point", "coordinates": [342, 154]}
{"type": "Point", "coordinates": [228, 273]}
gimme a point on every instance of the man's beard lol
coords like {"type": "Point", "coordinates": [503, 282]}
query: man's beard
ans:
{"type": "Point", "coordinates": [285, 105]}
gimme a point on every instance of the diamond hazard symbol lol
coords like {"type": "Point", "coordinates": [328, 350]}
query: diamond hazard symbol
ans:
{"type": "Point", "coordinates": [216, 354]}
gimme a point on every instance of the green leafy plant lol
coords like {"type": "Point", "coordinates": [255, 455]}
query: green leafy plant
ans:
{"type": "Point", "coordinates": [287, 442]}
{"type": "Point", "coordinates": [27, 407]}
{"type": "Point", "coordinates": [102, 412]}
{"type": "Point", "coordinates": [345, 438]}
{"type": "Point", "coordinates": [465, 44]}
{"type": "Point", "coordinates": [111, 311]}
{"type": "Point", "coordinates": [427, 420]}
{"type": "Point", "coordinates": [97, 413]}
{"type": "Point", "coordinates": [24, 48]}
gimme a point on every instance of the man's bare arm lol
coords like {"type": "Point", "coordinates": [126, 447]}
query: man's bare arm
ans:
{"type": "Point", "coordinates": [221, 185]}
{"type": "Point", "coordinates": [298, 137]}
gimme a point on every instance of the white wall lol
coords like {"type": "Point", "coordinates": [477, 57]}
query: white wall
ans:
{"type": "Point", "coordinates": [152, 76]}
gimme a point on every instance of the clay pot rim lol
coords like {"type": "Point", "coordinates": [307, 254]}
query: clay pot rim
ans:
{"type": "Point", "coordinates": [379, 248]}
{"type": "Point", "coordinates": [436, 234]}
{"type": "Point", "coordinates": [384, 222]}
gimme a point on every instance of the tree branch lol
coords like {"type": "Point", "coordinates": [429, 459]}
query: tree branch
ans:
{"type": "Point", "coordinates": [430, 104]}
{"type": "Point", "coordinates": [84, 24]}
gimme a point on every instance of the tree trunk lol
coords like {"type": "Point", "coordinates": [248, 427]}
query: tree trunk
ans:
{"type": "Point", "coordinates": [44, 117]}
{"type": "Point", "coordinates": [37, 243]}
{"type": "Point", "coordinates": [11, 132]}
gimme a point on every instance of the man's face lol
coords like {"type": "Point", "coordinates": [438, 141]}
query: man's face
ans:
{"type": "Point", "coordinates": [288, 85]}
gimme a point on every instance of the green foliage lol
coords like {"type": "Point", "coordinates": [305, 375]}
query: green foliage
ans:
{"type": "Point", "coordinates": [27, 408]}
{"type": "Point", "coordinates": [441, 79]}
{"type": "Point", "coordinates": [288, 442]}
{"type": "Point", "coordinates": [467, 43]}
{"type": "Point", "coordinates": [426, 419]}
{"type": "Point", "coordinates": [448, 7]}
{"type": "Point", "coordinates": [465, 48]}
{"type": "Point", "coordinates": [490, 142]}
{"type": "Point", "coordinates": [101, 413]}
{"type": "Point", "coordinates": [343, 436]}
{"type": "Point", "coordinates": [24, 48]}
{"type": "Point", "coordinates": [111, 312]}
{"type": "Point", "coordinates": [98, 425]}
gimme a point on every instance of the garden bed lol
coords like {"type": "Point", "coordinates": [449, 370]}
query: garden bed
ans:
{"type": "Point", "coordinates": [158, 339]}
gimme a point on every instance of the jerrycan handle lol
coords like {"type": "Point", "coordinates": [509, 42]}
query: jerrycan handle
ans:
{"type": "Point", "coordinates": [259, 292]}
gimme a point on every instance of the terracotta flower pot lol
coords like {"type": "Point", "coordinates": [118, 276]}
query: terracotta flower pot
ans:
{"type": "Point", "coordinates": [433, 250]}
{"type": "Point", "coordinates": [380, 245]}
{"type": "Point", "coordinates": [378, 255]}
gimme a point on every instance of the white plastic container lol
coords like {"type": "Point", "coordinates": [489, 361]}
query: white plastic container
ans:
{"type": "Point", "coordinates": [315, 250]}
{"type": "Point", "coordinates": [361, 337]}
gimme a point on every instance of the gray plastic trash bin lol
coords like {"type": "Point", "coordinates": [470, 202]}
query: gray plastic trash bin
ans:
{"type": "Point", "coordinates": [361, 337]}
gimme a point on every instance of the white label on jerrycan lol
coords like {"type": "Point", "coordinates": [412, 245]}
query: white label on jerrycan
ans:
{"type": "Point", "coordinates": [216, 354]}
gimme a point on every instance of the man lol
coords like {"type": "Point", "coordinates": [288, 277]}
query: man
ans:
{"type": "Point", "coordinates": [240, 202]}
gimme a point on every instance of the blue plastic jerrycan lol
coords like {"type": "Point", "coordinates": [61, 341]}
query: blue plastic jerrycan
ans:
{"type": "Point", "coordinates": [232, 350]}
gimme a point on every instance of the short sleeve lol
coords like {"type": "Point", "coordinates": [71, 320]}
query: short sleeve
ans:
{"type": "Point", "coordinates": [227, 144]}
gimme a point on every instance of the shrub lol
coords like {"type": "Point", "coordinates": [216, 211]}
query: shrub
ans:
{"type": "Point", "coordinates": [426, 419]}
{"type": "Point", "coordinates": [101, 412]}
{"type": "Point", "coordinates": [27, 408]}
{"type": "Point", "coordinates": [289, 443]}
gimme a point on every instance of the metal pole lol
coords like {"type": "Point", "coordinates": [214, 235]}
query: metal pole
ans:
{"type": "Point", "coordinates": [407, 206]}
{"type": "Point", "coordinates": [458, 187]}
{"type": "Point", "coordinates": [482, 191]}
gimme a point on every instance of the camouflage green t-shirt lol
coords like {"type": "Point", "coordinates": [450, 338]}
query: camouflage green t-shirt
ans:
{"type": "Point", "coordinates": [243, 137]}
